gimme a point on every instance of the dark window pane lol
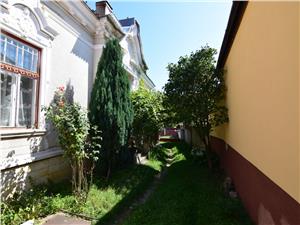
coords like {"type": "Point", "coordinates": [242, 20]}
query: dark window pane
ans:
{"type": "Point", "coordinates": [27, 60]}
{"type": "Point", "coordinates": [10, 53]}
{"type": "Point", "coordinates": [20, 56]}
{"type": "Point", "coordinates": [34, 64]}
{"type": "Point", "coordinates": [2, 50]}
{"type": "Point", "coordinates": [26, 102]}
{"type": "Point", "coordinates": [7, 82]}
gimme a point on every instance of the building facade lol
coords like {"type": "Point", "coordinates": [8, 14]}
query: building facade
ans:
{"type": "Point", "coordinates": [133, 60]}
{"type": "Point", "coordinates": [44, 45]}
{"type": "Point", "coordinates": [260, 147]}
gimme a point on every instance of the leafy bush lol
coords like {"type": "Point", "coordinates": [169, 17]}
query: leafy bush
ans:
{"type": "Point", "coordinates": [199, 155]}
{"type": "Point", "coordinates": [32, 204]}
{"type": "Point", "coordinates": [155, 164]}
{"type": "Point", "coordinates": [148, 117]}
{"type": "Point", "coordinates": [72, 125]}
{"type": "Point", "coordinates": [196, 93]}
{"type": "Point", "coordinates": [157, 153]}
{"type": "Point", "coordinates": [169, 152]}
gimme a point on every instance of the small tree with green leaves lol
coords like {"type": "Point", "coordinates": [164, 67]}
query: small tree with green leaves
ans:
{"type": "Point", "coordinates": [110, 105]}
{"type": "Point", "coordinates": [196, 92]}
{"type": "Point", "coordinates": [148, 117]}
{"type": "Point", "coordinates": [73, 127]}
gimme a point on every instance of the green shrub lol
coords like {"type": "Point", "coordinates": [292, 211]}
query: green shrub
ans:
{"type": "Point", "coordinates": [110, 106]}
{"type": "Point", "coordinates": [72, 125]}
{"type": "Point", "coordinates": [32, 204]}
{"type": "Point", "coordinates": [148, 117]}
{"type": "Point", "coordinates": [157, 153]}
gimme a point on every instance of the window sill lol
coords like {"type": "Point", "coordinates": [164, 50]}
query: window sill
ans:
{"type": "Point", "coordinates": [11, 162]}
{"type": "Point", "coordinates": [7, 134]}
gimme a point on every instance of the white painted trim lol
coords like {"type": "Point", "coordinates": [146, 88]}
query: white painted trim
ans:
{"type": "Point", "coordinates": [56, 18]}
{"type": "Point", "coordinates": [38, 43]}
{"type": "Point", "coordinates": [81, 13]}
{"type": "Point", "coordinates": [98, 46]}
{"type": "Point", "coordinates": [129, 71]}
{"type": "Point", "coordinates": [44, 83]}
{"type": "Point", "coordinates": [20, 131]}
{"type": "Point", "coordinates": [69, 28]}
{"type": "Point", "coordinates": [36, 12]}
{"type": "Point", "coordinates": [70, 12]}
{"type": "Point", "coordinates": [116, 24]}
{"type": "Point", "coordinates": [16, 133]}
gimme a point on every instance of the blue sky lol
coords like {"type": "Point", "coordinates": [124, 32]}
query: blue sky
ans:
{"type": "Point", "coordinates": [170, 29]}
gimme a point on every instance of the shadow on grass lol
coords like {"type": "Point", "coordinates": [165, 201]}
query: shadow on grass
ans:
{"type": "Point", "coordinates": [63, 188]}
{"type": "Point", "coordinates": [181, 147]}
{"type": "Point", "coordinates": [105, 199]}
{"type": "Point", "coordinates": [189, 194]}
{"type": "Point", "coordinates": [142, 176]}
{"type": "Point", "coordinates": [112, 215]}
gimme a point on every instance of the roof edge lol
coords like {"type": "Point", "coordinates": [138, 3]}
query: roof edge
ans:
{"type": "Point", "coordinates": [236, 15]}
{"type": "Point", "coordinates": [115, 22]}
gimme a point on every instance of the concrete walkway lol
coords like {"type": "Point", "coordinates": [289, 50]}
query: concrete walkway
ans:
{"type": "Point", "coordinates": [64, 219]}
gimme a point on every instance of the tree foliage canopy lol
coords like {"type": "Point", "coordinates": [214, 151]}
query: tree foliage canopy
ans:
{"type": "Point", "coordinates": [110, 105]}
{"type": "Point", "coordinates": [148, 116]}
{"type": "Point", "coordinates": [196, 91]}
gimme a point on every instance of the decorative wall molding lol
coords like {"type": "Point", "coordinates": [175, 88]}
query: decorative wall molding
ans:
{"type": "Point", "coordinates": [11, 68]}
{"type": "Point", "coordinates": [133, 57]}
{"type": "Point", "coordinates": [78, 11]}
{"type": "Point", "coordinates": [52, 9]}
{"type": "Point", "coordinates": [28, 22]}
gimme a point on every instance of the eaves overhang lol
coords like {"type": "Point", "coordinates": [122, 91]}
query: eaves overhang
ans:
{"type": "Point", "coordinates": [116, 24]}
{"type": "Point", "coordinates": [236, 15]}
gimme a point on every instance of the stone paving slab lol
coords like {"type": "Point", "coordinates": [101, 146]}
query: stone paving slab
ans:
{"type": "Point", "coordinates": [64, 219]}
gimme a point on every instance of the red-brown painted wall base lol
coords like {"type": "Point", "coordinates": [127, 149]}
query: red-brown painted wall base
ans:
{"type": "Point", "coordinates": [265, 201]}
{"type": "Point", "coordinates": [168, 140]}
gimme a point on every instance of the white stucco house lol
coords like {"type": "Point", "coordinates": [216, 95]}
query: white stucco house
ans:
{"type": "Point", "coordinates": [44, 45]}
{"type": "Point", "coordinates": [133, 59]}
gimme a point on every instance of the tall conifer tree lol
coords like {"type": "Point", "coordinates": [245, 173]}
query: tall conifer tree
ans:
{"type": "Point", "coordinates": [110, 105]}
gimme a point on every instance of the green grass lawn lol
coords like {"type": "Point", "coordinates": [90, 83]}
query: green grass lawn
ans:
{"type": "Point", "coordinates": [166, 136]}
{"type": "Point", "coordinates": [104, 200]}
{"type": "Point", "coordinates": [189, 194]}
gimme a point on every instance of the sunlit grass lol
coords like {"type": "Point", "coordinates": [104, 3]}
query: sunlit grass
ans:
{"type": "Point", "coordinates": [103, 197]}
{"type": "Point", "coordinates": [190, 194]}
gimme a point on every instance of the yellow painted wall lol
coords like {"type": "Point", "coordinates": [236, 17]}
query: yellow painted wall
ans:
{"type": "Point", "coordinates": [263, 92]}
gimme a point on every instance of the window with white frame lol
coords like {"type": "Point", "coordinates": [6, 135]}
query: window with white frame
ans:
{"type": "Point", "coordinates": [19, 83]}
